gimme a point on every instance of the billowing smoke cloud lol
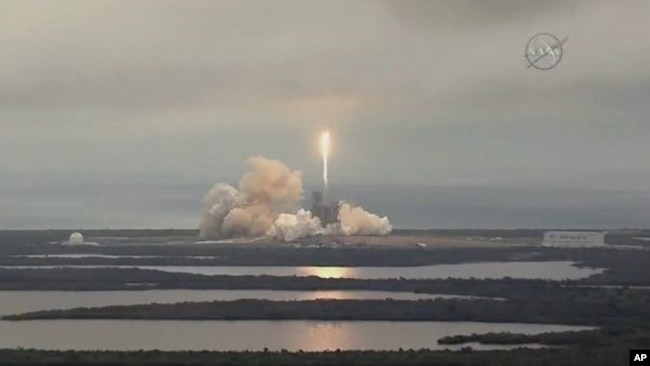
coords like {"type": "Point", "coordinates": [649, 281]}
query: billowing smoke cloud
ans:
{"type": "Point", "coordinates": [267, 203]}
{"type": "Point", "coordinates": [266, 190]}
{"type": "Point", "coordinates": [357, 221]}
{"type": "Point", "coordinates": [221, 199]}
{"type": "Point", "coordinates": [290, 227]}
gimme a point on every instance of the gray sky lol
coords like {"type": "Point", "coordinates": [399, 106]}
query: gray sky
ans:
{"type": "Point", "coordinates": [415, 92]}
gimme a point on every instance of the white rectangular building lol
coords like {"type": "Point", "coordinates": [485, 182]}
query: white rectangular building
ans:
{"type": "Point", "coordinates": [573, 239]}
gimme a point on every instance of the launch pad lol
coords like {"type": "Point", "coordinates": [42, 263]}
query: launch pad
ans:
{"type": "Point", "coordinates": [327, 212]}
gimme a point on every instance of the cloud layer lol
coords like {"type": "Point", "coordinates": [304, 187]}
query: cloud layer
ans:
{"type": "Point", "coordinates": [437, 91]}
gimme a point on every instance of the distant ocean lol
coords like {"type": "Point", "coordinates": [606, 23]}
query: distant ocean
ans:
{"type": "Point", "coordinates": [177, 205]}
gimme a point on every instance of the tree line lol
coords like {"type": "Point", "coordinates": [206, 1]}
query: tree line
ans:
{"type": "Point", "coordinates": [597, 309]}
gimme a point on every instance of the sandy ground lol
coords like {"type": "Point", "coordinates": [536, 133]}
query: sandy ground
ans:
{"type": "Point", "coordinates": [406, 241]}
{"type": "Point", "coordinates": [392, 241]}
{"type": "Point", "coordinates": [433, 241]}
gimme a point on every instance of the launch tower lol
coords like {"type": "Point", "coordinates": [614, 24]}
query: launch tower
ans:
{"type": "Point", "coordinates": [327, 213]}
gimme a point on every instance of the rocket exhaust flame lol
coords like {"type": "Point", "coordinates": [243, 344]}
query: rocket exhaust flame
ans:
{"type": "Point", "coordinates": [325, 150]}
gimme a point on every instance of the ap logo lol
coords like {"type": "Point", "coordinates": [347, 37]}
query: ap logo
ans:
{"type": "Point", "coordinates": [639, 357]}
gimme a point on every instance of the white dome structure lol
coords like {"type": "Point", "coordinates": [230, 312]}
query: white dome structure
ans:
{"type": "Point", "coordinates": [76, 238]}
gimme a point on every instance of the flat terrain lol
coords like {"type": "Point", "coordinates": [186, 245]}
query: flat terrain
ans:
{"type": "Point", "coordinates": [436, 241]}
{"type": "Point", "coordinates": [609, 300]}
{"type": "Point", "coordinates": [466, 238]}
{"type": "Point", "coordinates": [393, 241]}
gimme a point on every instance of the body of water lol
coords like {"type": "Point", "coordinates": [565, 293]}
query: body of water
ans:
{"type": "Point", "coordinates": [558, 270]}
{"type": "Point", "coordinates": [248, 335]}
{"type": "Point", "coordinates": [13, 302]}
{"type": "Point", "coordinates": [110, 256]}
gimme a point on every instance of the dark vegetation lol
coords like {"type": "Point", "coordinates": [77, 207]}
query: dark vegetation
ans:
{"type": "Point", "coordinates": [614, 353]}
{"type": "Point", "coordinates": [623, 267]}
{"type": "Point", "coordinates": [214, 255]}
{"type": "Point", "coordinates": [88, 279]}
{"type": "Point", "coordinates": [596, 337]}
{"type": "Point", "coordinates": [142, 279]}
{"type": "Point", "coordinates": [620, 313]}
{"type": "Point", "coordinates": [230, 256]}
{"type": "Point", "coordinates": [598, 307]}
{"type": "Point", "coordinates": [627, 328]}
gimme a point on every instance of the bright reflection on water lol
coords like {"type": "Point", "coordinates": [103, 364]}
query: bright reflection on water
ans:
{"type": "Point", "coordinates": [110, 256]}
{"type": "Point", "coordinates": [12, 302]}
{"type": "Point", "coordinates": [247, 335]}
{"type": "Point", "coordinates": [558, 270]}
{"type": "Point", "coordinates": [328, 272]}
{"type": "Point", "coordinates": [532, 270]}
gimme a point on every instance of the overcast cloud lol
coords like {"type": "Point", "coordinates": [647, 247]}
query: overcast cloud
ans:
{"type": "Point", "coordinates": [416, 93]}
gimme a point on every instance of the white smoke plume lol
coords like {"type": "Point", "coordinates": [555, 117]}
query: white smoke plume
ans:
{"type": "Point", "coordinates": [357, 221]}
{"type": "Point", "coordinates": [267, 203]}
{"type": "Point", "coordinates": [288, 227]}
{"type": "Point", "coordinates": [266, 190]}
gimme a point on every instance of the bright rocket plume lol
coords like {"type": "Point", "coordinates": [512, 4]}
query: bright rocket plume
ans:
{"type": "Point", "coordinates": [325, 151]}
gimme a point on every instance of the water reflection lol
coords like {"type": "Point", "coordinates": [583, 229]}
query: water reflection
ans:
{"type": "Point", "coordinates": [325, 336]}
{"type": "Point", "coordinates": [247, 335]}
{"type": "Point", "coordinates": [12, 302]}
{"type": "Point", "coordinates": [110, 256]}
{"type": "Point", "coordinates": [328, 272]}
{"type": "Point", "coordinates": [557, 270]}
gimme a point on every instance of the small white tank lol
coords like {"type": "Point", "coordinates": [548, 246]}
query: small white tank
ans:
{"type": "Point", "coordinates": [76, 238]}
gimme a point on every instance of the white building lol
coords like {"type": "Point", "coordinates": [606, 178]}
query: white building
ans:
{"type": "Point", "coordinates": [76, 238]}
{"type": "Point", "coordinates": [573, 239]}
